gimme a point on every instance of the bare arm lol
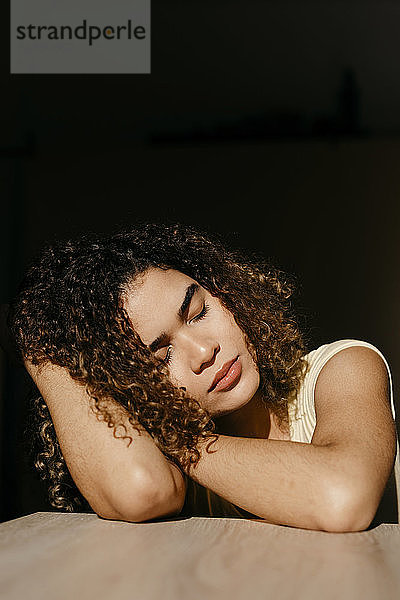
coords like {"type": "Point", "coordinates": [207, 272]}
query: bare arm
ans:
{"type": "Point", "coordinates": [132, 483]}
{"type": "Point", "coordinates": [336, 482]}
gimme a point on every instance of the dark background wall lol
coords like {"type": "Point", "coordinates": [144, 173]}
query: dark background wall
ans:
{"type": "Point", "coordinates": [274, 124]}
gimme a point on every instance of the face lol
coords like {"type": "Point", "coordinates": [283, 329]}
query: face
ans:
{"type": "Point", "coordinates": [198, 338]}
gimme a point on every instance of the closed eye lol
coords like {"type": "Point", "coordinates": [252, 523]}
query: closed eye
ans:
{"type": "Point", "coordinates": [201, 314]}
{"type": "Point", "coordinates": [167, 358]}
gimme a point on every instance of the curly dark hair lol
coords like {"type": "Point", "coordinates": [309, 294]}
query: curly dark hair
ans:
{"type": "Point", "coordinates": [69, 312]}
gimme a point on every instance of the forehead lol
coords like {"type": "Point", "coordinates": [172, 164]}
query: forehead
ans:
{"type": "Point", "coordinates": [153, 299]}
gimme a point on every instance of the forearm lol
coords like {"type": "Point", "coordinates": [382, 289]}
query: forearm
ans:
{"type": "Point", "coordinates": [119, 479]}
{"type": "Point", "coordinates": [281, 481]}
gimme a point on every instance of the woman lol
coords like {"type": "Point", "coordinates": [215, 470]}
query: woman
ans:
{"type": "Point", "coordinates": [174, 380]}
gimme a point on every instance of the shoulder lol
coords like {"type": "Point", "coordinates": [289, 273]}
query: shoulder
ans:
{"type": "Point", "coordinates": [352, 392]}
{"type": "Point", "coordinates": [347, 388]}
{"type": "Point", "coordinates": [353, 371]}
{"type": "Point", "coordinates": [334, 356]}
{"type": "Point", "coordinates": [354, 361]}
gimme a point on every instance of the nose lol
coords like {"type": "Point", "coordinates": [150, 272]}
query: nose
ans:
{"type": "Point", "coordinates": [202, 353]}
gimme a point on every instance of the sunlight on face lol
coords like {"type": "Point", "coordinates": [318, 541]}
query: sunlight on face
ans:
{"type": "Point", "coordinates": [190, 330]}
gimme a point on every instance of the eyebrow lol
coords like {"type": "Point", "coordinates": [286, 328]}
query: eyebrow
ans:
{"type": "Point", "coordinates": [190, 291]}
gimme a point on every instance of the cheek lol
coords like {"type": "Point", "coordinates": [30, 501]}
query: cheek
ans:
{"type": "Point", "coordinates": [175, 377]}
{"type": "Point", "coordinates": [178, 378]}
{"type": "Point", "coordinates": [254, 375]}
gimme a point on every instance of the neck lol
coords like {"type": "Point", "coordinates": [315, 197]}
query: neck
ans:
{"type": "Point", "coordinates": [251, 420]}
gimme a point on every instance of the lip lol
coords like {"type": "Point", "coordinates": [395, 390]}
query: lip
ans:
{"type": "Point", "coordinates": [227, 376]}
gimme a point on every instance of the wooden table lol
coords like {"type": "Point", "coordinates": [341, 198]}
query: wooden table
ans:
{"type": "Point", "coordinates": [75, 555]}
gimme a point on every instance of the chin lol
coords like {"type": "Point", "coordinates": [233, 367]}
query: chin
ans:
{"type": "Point", "coordinates": [233, 402]}
{"type": "Point", "coordinates": [228, 402]}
